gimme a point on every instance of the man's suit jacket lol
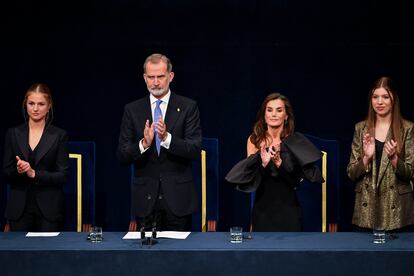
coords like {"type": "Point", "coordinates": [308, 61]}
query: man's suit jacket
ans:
{"type": "Point", "coordinates": [171, 170]}
{"type": "Point", "coordinates": [393, 205]}
{"type": "Point", "coordinates": [51, 166]}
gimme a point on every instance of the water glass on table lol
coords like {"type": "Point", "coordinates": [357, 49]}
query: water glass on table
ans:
{"type": "Point", "coordinates": [378, 236]}
{"type": "Point", "coordinates": [236, 234]}
{"type": "Point", "coordinates": [95, 234]}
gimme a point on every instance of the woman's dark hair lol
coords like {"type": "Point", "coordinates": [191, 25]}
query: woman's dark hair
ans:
{"type": "Point", "coordinates": [260, 127]}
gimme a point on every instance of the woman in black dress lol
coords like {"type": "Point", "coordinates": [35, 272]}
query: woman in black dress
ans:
{"type": "Point", "coordinates": [278, 158]}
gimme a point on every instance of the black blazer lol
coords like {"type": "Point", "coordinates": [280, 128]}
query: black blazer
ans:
{"type": "Point", "coordinates": [172, 168]}
{"type": "Point", "coordinates": [51, 166]}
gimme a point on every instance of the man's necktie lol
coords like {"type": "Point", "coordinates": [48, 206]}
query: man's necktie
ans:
{"type": "Point", "coordinates": [157, 117]}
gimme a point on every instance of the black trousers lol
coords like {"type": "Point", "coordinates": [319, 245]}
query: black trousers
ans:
{"type": "Point", "coordinates": [163, 219]}
{"type": "Point", "coordinates": [33, 220]}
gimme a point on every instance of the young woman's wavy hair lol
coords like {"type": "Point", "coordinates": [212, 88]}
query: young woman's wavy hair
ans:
{"type": "Point", "coordinates": [396, 117]}
{"type": "Point", "coordinates": [39, 88]}
{"type": "Point", "coordinates": [259, 133]}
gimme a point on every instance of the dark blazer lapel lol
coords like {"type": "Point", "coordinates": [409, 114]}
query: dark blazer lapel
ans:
{"type": "Point", "coordinates": [141, 112]}
{"type": "Point", "coordinates": [146, 112]}
{"type": "Point", "coordinates": [45, 143]}
{"type": "Point", "coordinates": [22, 137]}
{"type": "Point", "coordinates": [385, 161]}
{"type": "Point", "coordinates": [173, 112]}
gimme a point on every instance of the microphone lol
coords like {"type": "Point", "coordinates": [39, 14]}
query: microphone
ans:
{"type": "Point", "coordinates": [154, 230]}
{"type": "Point", "coordinates": [153, 239]}
{"type": "Point", "coordinates": [142, 230]}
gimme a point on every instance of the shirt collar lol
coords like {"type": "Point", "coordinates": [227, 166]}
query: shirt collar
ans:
{"type": "Point", "coordinates": [164, 99]}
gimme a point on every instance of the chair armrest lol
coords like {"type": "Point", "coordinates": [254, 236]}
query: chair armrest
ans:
{"type": "Point", "coordinates": [7, 227]}
{"type": "Point", "coordinates": [211, 226]}
{"type": "Point", "coordinates": [132, 226]}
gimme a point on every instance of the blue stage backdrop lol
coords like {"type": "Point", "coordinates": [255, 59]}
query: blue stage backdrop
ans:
{"type": "Point", "coordinates": [226, 54]}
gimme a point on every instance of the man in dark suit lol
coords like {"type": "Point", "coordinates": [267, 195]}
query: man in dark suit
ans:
{"type": "Point", "coordinates": [161, 134]}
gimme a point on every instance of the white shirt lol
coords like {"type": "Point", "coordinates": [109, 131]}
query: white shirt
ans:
{"type": "Point", "coordinates": [163, 106]}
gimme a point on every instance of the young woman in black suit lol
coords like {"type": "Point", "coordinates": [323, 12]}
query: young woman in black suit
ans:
{"type": "Point", "coordinates": [35, 166]}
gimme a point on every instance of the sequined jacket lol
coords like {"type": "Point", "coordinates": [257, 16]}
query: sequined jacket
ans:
{"type": "Point", "coordinates": [383, 199]}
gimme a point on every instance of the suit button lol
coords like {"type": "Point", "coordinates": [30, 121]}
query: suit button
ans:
{"type": "Point", "coordinates": [149, 197]}
{"type": "Point", "coordinates": [364, 204]}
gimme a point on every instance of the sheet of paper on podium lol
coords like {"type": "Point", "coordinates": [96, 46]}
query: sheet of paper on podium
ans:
{"type": "Point", "coordinates": [42, 234]}
{"type": "Point", "coordinates": [161, 234]}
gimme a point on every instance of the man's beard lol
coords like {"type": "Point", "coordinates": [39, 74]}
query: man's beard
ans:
{"type": "Point", "coordinates": [158, 92]}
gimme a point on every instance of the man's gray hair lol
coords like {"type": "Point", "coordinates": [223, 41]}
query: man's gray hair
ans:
{"type": "Point", "coordinates": [157, 58]}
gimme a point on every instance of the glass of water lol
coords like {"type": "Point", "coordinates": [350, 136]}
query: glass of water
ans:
{"type": "Point", "coordinates": [378, 236]}
{"type": "Point", "coordinates": [95, 234]}
{"type": "Point", "coordinates": [236, 234]}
